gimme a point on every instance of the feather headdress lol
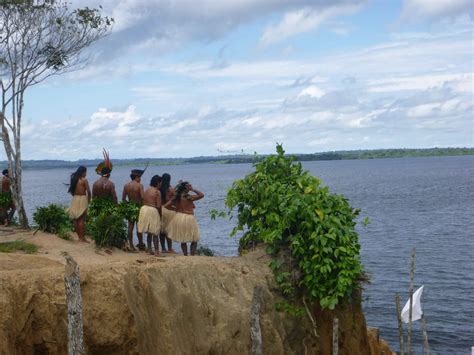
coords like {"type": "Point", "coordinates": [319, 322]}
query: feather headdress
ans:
{"type": "Point", "coordinates": [105, 167]}
{"type": "Point", "coordinates": [140, 172]}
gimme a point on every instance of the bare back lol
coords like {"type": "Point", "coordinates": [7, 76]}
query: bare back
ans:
{"type": "Point", "coordinates": [152, 197]}
{"type": "Point", "coordinates": [82, 187]}
{"type": "Point", "coordinates": [104, 188]}
{"type": "Point", "coordinates": [133, 191]}
{"type": "Point", "coordinates": [6, 184]}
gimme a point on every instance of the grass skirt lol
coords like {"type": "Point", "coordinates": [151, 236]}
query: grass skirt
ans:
{"type": "Point", "coordinates": [78, 206]}
{"type": "Point", "coordinates": [149, 220]}
{"type": "Point", "coordinates": [183, 228]}
{"type": "Point", "coordinates": [166, 217]}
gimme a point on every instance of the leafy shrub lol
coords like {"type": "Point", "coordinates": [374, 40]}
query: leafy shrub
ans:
{"type": "Point", "coordinates": [129, 210]}
{"type": "Point", "coordinates": [5, 200]}
{"type": "Point", "coordinates": [288, 208]}
{"type": "Point", "coordinates": [105, 223]}
{"type": "Point", "coordinates": [100, 205]}
{"type": "Point", "coordinates": [108, 230]}
{"type": "Point", "coordinates": [11, 247]}
{"type": "Point", "coordinates": [52, 219]}
{"type": "Point", "coordinates": [204, 251]}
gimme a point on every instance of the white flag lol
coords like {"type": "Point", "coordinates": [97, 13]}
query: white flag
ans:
{"type": "Point", "coordinates": [416, 307]}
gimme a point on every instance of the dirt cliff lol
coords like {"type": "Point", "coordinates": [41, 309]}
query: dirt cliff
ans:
{"type": "Point", "coordinates": [147, 305]}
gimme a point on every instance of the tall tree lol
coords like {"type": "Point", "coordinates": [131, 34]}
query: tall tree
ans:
{"type": "Point", "coordinates": [38, 39]}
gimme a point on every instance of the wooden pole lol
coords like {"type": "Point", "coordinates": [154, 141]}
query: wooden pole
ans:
{"type": "Point", "coordinates": [426, 345]}
{"type": "Point", "coordinates": [72, 282]}
{"type": "Point", "coordinates": [400, 324]}
{"type": "Point", "coordinates": [410, 323]}
{"type": "Point", "coordinates": [255, 330]}
{"type": "Point", "coordinates": [335, 336]}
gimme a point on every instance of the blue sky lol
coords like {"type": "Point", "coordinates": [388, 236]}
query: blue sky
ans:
{"type": "Point", "coordinates": [182, 78]}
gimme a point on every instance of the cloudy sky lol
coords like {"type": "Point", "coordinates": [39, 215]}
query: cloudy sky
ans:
{"type": "Point", "coordinates": [180, 78]}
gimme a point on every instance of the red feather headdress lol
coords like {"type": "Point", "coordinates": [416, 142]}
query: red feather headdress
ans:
{"type": "Point", "coordinates": [105, 164]}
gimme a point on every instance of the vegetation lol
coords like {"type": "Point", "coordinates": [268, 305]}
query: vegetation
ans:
{"type": "Point", "coordinates": [53, 219]}
{"type": "Point", "coordinates": [39, 39]}
{"type": "Point", "coordinates": [288, 209]}
{"type": "Point", "coordinates": [251, 158]}
{"type": "Point", "coordinates": [18, 245]}
{"type": "Point", "coordinates": [5, 200]}
{"type": "Point", "coordinates": [204, 251]}
{"type": "Point", "coordinates": [106, 223]}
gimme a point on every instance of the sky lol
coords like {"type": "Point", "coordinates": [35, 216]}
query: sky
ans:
{"type": "Point", "coordinates": [183, 78]}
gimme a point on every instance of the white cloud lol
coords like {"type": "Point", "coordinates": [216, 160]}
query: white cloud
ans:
{"type": "Point", "coordinates": [312, 91]}
{"type": "Point", "coordinates": [158, 26]}
{"type": "Point", "coordinates": [437, 9]}
{"type": "Point", "coordinates": [303, 20]}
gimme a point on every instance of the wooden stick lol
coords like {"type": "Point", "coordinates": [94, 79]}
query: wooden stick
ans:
{"type": "Point", "coordinates": [410, 323]}
{"type": "Point", "coordinates": [400, 324]}
{"type": "Point", "coordinates": [335, 336]}
{"type": "Point", "coordinates": [313, 321]}
{"type": "Point", "coordinates": [255, 331]}
{"type": "Point", "coordinates": [426, 345]}
{"type": "Point", "coordinates": [72, 282]}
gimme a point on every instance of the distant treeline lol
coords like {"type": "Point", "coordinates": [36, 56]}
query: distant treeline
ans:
{"type": "Point", "coordinates": [247, 158]}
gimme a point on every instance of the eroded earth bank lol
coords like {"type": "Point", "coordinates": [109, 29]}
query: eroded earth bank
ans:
{"type": "Point", "coordinates": [134, 304]}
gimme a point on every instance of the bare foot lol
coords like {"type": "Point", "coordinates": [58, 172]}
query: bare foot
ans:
{"type": "Point", "coordinates": [84, 240]}
{"type": "Point", "coordinates": [150, 252]}
{"type": "Point", "coordinates": [171, 251]}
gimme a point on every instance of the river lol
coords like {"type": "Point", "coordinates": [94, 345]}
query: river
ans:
{"type": "Point", "coordinates": [422, 203]}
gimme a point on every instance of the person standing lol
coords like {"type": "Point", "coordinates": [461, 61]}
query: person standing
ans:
{"type": "Point", "coordinates": [6, 190]}
{"type": "Point", "coordinates": [104, 187]}
{"type": "Point", "coordinates": [167, 193]}
{"type": "Point", "coordinates": [184, 228]}
{"type": "Point", "coordinates": [150, 215]}
{"type": "Point", "coordinates": [81, 196]}
{"type": "Point", "coordinates": [132, 194]}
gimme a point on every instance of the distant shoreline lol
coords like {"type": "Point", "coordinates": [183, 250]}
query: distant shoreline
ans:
{"type": "Point", "coordinates": [251, 158]}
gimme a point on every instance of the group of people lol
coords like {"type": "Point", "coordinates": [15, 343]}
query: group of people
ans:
{"type": "Point", "coordinates": [166, 214]}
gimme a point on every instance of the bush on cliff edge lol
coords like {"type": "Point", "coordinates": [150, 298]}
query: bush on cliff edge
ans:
{"type": "Point", "coordinates": [286, 207]}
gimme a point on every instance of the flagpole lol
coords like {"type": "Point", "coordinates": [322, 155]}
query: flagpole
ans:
{"type": "Point", "coordinates": [410, 323]}
{"type": "Point", "coordinates": [400, 324]}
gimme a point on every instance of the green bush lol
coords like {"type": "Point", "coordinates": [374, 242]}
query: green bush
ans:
{"type": "Point", "coordinates": [106, 223]}
{"type": "Point", "coordinates": [5, 199]}
{"type": "Point", "coordinates": [204, 251]}
{"type": "Point", "coordinates": [287, 208]}
{"type": "Point", "coordinates": [129, 210]}
{"type": "Point", "coordinates": [108, 230]}
{"type": "Point", "coordinates": [52, 219]}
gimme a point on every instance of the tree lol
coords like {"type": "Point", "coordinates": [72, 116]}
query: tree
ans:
{"type": "Point", "coordinates": [38, 39]}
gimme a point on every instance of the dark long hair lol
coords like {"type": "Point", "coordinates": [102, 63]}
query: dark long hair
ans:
{"type": "Point", "coordinates": [165, 186]}
{"type": "Point", "coordinates": [75, 179]}
{"type": "Point", "coordinates": [181, 191]}
{"type": "Point", "coordinates": [155, 180]}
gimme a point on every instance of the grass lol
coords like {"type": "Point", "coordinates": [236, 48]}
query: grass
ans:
{"type": "Point", "coordinates": [11, 247]}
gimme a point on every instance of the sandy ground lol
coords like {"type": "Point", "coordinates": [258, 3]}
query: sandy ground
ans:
{"type": "Point", "coordinates": [52, 248]}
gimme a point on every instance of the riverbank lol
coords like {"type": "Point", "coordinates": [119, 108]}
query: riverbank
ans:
{"type": "Point", "coordinates": [250, 158]}
{"type": "Point", "coordinates": [134, 303]}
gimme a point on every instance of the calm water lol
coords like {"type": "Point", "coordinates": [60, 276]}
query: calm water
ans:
{"type": "Point", "coordinates": [426, 203]}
